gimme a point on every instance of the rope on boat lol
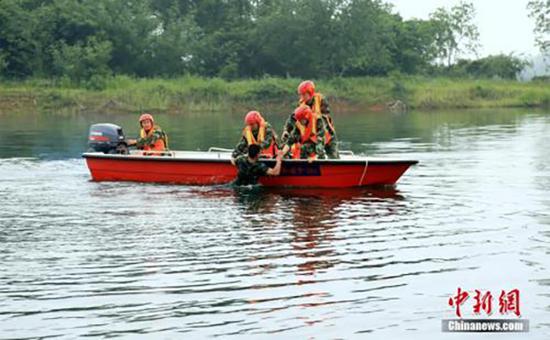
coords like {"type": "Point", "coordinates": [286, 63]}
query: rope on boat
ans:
{"type": "Point", "coordinates": [364, 172]}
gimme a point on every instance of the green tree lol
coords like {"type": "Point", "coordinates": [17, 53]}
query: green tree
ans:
{"type": "Point", "coordinates": [496, 66]}
{"type": "Point", "coordinates": [456, 33]}
{"type": "Point", "coordinates": [366, 38]}
{"type": "Point", "coordinates": [174, 43]}
{"type": "Point", "coordinates": [131, 27]}
{"type": "Point", "coordinates": [415, 46]}
{"type": "Point", "coordinates": [295, 38]}
{"type": "Point", "coordinates": [62, 23]}
{"type": "Point", "coordinates": [86, 41]}
{"type": "Point", "coordinates": [85, 64]}
{"type": "Point", "coordinates": [18, 45]}
{"type": "Point", "coordinates": [539, 10]}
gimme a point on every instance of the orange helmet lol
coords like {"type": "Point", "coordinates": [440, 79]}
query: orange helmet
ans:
{"type": "Point", "coordinates": [146, 116]}
{"type": "Point", "coordinates": [253, 117]}
{"type": "Point", "coordinates": [303, 112]}
{"type": "Point", "coordinates": [307, 86]}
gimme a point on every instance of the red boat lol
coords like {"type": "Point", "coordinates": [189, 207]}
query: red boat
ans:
{"type": "Point", "coordinates": [214, 167]}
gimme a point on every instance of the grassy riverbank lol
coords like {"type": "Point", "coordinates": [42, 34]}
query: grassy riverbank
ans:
{"type": "Point", "coordinates": [192, 94]}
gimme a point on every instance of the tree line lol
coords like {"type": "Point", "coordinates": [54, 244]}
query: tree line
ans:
{"type": "Point", "coordinates": [85, 41]}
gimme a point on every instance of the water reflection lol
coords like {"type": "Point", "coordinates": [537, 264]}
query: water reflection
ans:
{"type": "Point", "coordinates": [52, 136]}
{"type": "Point", "coordinates": [315, 214]}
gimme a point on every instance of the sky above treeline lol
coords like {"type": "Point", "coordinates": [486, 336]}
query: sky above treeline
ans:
{"type": "Point", "coordinates": [504, 25]}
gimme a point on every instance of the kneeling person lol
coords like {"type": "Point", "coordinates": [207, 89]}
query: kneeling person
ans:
{"type": "Point", "coordinates": [250, 169]}
{"type": "Point", "coordinates": [319, 105]}
{"type": "Point", "coordinates": [306, 141]}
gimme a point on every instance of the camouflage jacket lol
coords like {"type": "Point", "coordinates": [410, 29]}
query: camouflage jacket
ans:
{"type": "Point", "coordinates": [150, 140]}
{"type": "Point", "coordinates": [248, 172]}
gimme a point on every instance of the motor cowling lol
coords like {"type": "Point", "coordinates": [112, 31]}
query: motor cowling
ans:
{"type": "Point", "coordinates": [107, 138]}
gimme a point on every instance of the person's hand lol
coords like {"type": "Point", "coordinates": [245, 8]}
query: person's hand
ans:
{"type": "Point", "coordinates": [131, 142]}
{"type": "Point", "coordinates": [310, 159]}
{"type": "Point", "coordinates": [286, 148]}
{"type": "Point", "coordinates": [233, 161]}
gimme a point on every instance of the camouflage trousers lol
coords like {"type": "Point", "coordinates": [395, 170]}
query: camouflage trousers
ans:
{"type": "Point", "coordinates": [309, 148]}
{"type": "Point", "coordinates": [331, 150]}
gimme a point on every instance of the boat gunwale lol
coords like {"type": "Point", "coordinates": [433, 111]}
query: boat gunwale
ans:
{"type": "Point", "coordinates": [94, 155]}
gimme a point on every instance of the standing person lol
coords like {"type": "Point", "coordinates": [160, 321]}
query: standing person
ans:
{"type": "Point", "coordinates": [319, 105]}
{"type": "Point", "coordinates": [250, 169]}
{"type": "Point", "coordinates": [256, 132]}
{"type": "Point", "coordinates": [151, 136]}
{"type": "Point", "coordinates": [306, 140]}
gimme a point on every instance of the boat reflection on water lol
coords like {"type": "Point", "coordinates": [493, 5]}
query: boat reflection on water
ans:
{"type": "Point", "coordinates": [315, 216]}
{"type": "Point", "coordinates": [258, 199]}
{"type": "Point", "coordinates": [311, 216]}
{"type": "Point", "coordinates": [343, 194]}
{"type": "Point", "coordinates": [310, 219]}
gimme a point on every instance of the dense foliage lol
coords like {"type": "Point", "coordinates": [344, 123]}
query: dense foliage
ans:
{"type": "Point", "coordinates": [85, 41]}
{"type": "Point", "coordinates": [539, 10]}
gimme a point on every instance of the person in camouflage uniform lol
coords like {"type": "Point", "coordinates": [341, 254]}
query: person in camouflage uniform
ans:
{"type": "Point", "coordinates": [319, 105]}
{"type": "Point", "coordinates": [306, 140]}
{"type": "Point", "coordinates": [151, 136]}
{"type": "Point", "coordinates": [257, 131]}
{"type": "Point", "coordinates": [249, 169]}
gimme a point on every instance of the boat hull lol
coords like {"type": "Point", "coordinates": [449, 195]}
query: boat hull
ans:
{"type": "Point", "coordinates": [213, 171]}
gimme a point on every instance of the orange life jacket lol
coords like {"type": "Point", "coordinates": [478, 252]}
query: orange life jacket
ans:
{"type": "Point", "coordinates": [316, 108]}
{"type": "Point", "coordinates": [160, 144]}
{"type": "Point", "coordinates": [308, 133]}
{"type": "Point", "coordinates": [270, 151]}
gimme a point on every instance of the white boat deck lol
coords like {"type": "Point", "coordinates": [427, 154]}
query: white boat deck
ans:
{"type": "Point", "coordinates": [225, 154]}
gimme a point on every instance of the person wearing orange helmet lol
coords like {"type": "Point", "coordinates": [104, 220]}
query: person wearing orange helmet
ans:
{"type": "Point", "coordinates": [151, 136]}
{"type": "Point", "coordinates": [259, 132]}
{"type": "Point", "coordinates": [319, 105]}
{"type": "Point", "coordinates": [306, 140]}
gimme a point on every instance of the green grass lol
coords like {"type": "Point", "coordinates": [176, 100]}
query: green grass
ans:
{"type": "Point", "coordinates": [193, 94]}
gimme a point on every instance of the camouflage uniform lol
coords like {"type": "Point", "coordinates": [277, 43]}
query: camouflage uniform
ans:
{"type": "Point", "coordinates": [248, 172]}
{"type": "Point", "coordinates": [242, 147]}
{"type": "Point", "coordinates": [309, 147]}
{"type": "Point", "coordinates": [331, 149]}
{"type": "Point", "coordinates": [152, 139]}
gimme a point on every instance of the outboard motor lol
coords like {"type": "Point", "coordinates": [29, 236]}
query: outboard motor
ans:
{"type": "Point", "coordinates": [107, 138]}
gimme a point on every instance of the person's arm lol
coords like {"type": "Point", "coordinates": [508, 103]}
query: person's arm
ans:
{"type": "Point", "coordinates": [325, 109]}
{"type": "Point", "coordinates": [293, 137]}
{"type": "Point", "coordinates": [287, 130]}
{"type": "Point", "coordinates": [236, 161]}
{"type": "Point", "coordinates": [240, 149]}
{"type": "Point", "coordinates": [285, 149]}
{"type": "Point", "coordinates": [277, 169]}
{"type": "Point", "coordinates": [149, 141]}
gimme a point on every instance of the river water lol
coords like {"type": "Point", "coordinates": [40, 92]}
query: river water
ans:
{"type": "Point", "coordinates": [127, 260]}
